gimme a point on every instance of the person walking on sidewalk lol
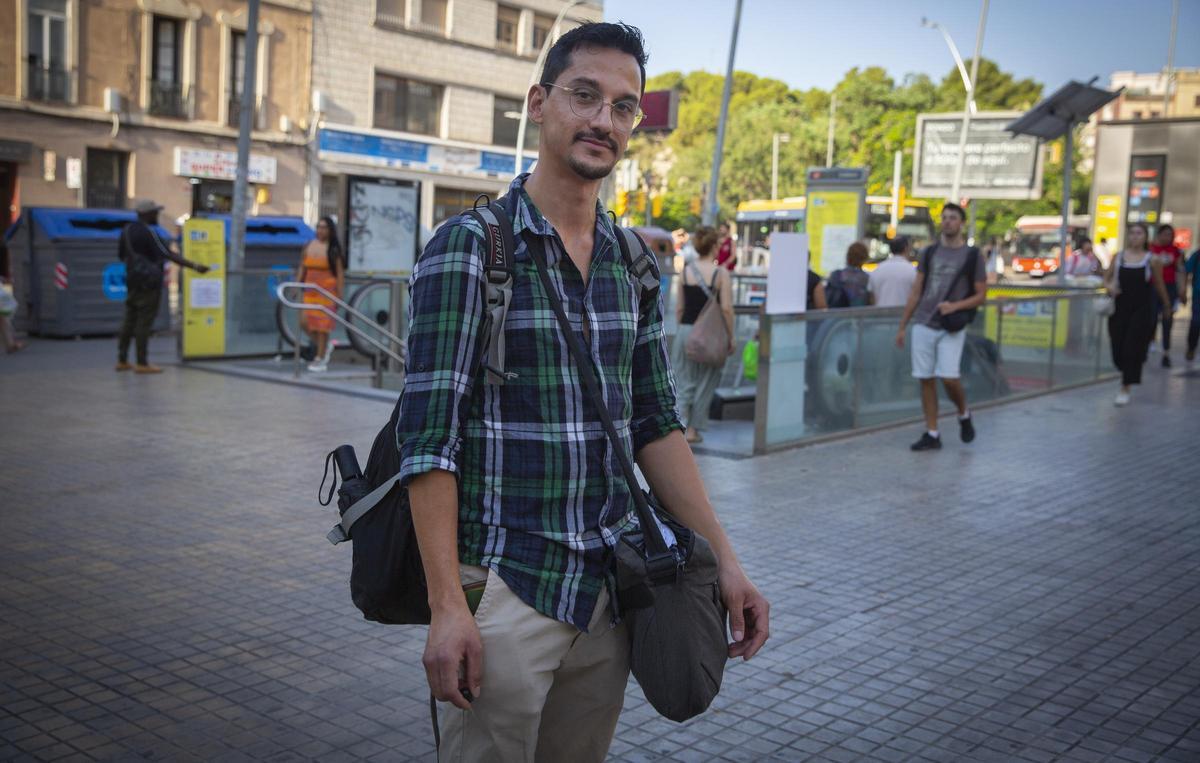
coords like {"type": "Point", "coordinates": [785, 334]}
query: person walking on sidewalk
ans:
{"type": "Point", "coordinates": [144, 253]}
{"type": "Point", "coordinates": [1170, 259]}
{"type": "Point", "coordinates": [1192, 273]}
{"type": "Point", "coordinates": [848, 286]}
{"type": "Point", "coordinates": [891, 282]}
{"type": "Point", "coordinates": [702, 279]}
{"type": "Point", "coordinates": [515, 486]}
{"type": "Point", "coordinates": [1134, 281]}
{"type": "Point", "coordinates": [951, 280]}
{"type": "Point", "coordinates": [322, 264]}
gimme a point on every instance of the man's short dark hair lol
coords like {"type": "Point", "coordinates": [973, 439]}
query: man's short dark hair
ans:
{"type": "Point", "coordinates": [1163, 227]}
{"type": "Point", "coordinates": [619, 36]}
{"type": "Point", "coordinates": [962, 213]}
{"type": "Point", "coordinates": [899, 245]}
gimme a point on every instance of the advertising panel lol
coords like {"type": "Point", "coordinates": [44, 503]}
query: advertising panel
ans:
{"type": "Point", "coordinates": [382, 234]}
{"type": "Point", "coordinates": [1145, 188]}
{"type": "Point", "coordinates": [998, 165]}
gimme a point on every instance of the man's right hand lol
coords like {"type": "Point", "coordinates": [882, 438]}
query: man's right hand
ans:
{"type": "Point", "coordinates": [900, 338]}
{"type": "Point", "coordinates": [453, 656]}
{"type": "Point", "coordinates": [202, 269]}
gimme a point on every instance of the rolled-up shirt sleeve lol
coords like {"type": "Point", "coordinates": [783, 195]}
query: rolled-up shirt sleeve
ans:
{"type": "Point", "coordinates": [445, 342]}
{"type": "Point", "coordinates": [654, 414]}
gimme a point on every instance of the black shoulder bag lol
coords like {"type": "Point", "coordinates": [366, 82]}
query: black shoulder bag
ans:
{"type": "Point", "coordinates": [667, 586]}
{"type": "Point", "coordinates": [956, 321]}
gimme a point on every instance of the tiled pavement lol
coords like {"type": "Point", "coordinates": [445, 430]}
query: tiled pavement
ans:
{"type": "Point", "coordinates": [167, 592]}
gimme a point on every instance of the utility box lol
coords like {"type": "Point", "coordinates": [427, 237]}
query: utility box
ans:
{"type": "Point", "coordinates": [67, 277]}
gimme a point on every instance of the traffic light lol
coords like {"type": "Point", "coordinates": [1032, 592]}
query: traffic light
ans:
{"type": "Point", "coordinates": [656, 205]}
{"type": "Point", "coordinates": [622, 205]}
{"type": "Point", "coordinates": [639, 201]}
{"type": "Point", "coordinates": [694, 205]}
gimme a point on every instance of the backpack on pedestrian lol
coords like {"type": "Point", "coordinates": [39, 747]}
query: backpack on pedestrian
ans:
{"type": "Point", "coordinates": [141, 272]}
{"type": "Point", "coordinates": [387, 579]}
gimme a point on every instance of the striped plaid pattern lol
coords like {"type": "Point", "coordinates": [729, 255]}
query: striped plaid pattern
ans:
{"type": "Point", "coordinates": [542, 501]}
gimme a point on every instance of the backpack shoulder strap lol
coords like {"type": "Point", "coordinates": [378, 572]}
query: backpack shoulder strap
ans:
{"type": "Point", "coordinates": [969, 269]}
{"type": "Point", "coordinates": [498, 271]}
{"type": "Point", "coordinates": [926, 260]}
{"type": "Point", "coordinates": [641, 266]}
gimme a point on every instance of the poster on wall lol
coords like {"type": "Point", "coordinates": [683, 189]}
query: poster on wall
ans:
{"type": "Point", "coordinates": [381, 235]}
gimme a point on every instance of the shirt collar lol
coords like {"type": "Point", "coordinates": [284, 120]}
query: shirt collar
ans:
{"type": "Point", "coordinates": [528, 217]}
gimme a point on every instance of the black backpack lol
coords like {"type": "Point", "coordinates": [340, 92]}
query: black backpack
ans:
{"type": "Point", "coordinates": [954, 322]}
{"type": "Point", "coordinates": [141, 272]}
{"type": "Point", "coordinates": [387, 579]}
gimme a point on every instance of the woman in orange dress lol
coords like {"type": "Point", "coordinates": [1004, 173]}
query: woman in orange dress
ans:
{"type": "Point", "coordinates": [322, 263]}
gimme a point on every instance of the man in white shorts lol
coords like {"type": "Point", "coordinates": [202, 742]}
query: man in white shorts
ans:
{"type": "Point", "coordinates": [951, 279]}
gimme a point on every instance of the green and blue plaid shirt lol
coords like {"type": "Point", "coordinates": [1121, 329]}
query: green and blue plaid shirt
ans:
{"type": "Point", "coordinates": [542, 501]}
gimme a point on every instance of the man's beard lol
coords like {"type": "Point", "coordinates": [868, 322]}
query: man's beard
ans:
{"type": "Point", "coordinates": [589, 171]}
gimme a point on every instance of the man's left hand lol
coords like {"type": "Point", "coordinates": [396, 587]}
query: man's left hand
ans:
{"type": "Point", "coordinates": [749, 618]}
{"type": "Point", "coordinates": [945, 308]}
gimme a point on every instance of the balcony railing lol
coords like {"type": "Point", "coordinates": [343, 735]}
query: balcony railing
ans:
{"type": "Point", "coordinates": [168, 99]}
{"type": "Point", "coordinates": [52, 85]}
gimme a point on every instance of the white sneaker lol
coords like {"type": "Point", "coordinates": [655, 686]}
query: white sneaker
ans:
{"type": "Point", "coordinates": [318, 366]}
{"type": "Point", "coordinates": [1121, 399]}
{"type": "Point", "coordinates": [1153, 347]}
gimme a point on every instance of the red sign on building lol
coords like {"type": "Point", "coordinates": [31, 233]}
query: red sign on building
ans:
{"type": "Point", "coordinates": [661, 108]}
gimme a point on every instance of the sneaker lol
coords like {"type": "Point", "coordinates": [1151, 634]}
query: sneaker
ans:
{"type": "Point", "coordinates": [927, 442]}
{"type": "Point", "coordinates": [966, 430]}
{"type": "Point", "coordinates": [147, 369]}
{"type": "Point", "coordinates": [1153, 347]}
{"type": "Point", "coordinates": [123, 366]}
{"type": "Point", "coordinates": [1166, 361]}
{"type": "Point", "coordinates": [318, 367]}
{"type": "Point", "coordinates": [1121, 399]}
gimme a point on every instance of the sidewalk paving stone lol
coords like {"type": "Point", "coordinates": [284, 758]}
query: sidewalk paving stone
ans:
{"type": "Point", "coordinates": [169, 594]}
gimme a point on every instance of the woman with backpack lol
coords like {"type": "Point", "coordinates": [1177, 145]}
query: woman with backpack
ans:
{"type": "Point", "coordinates": [322, 264]}
{"type": "Point", "coordinates": [702, 280]}
{"type": "Point", "coordinates": [1134, 279]}
{"type": "Point", "coordinates": [848, 287]}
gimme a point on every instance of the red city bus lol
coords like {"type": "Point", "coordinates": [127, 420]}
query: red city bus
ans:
{"type": "Point", "coordinates": [1039, 242]}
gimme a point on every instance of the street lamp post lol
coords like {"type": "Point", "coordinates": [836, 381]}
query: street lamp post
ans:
{"type": "Point", "coordinates": [533, 77]}
{"type": "Point", "coordinates": [969, 82]}
{"type": "Point", "coordinates": [776, 139]}
{"type": "Point", "coordinates": [714, 185]}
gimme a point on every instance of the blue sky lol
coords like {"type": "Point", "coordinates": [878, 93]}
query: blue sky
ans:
{"type": "Point", "coordinates": [811, 43]}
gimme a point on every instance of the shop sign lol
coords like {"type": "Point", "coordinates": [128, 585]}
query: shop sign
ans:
{"type": "Point", "coordinates": [222, 165]}
{"type": "Point", "coordinates": [403, 153]}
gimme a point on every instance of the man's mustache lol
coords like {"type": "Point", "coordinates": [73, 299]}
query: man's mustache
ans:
{"type": "Point", "coordinates": [601, 137]}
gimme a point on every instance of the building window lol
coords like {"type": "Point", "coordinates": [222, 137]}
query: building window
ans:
{"type": "Point", "coordinates": [541, 30]}
{"type": "Point", "coordinates": [105, 187]}
{"type": "Point", "coordinates": [433, 16]}
{"type": "Point", "coordinates": [1154, 115]}
{"type": "Point", "coordinates": [166, 82]}
{"type": "Point", "coordinates": [390, 12]}
{"type": "Point", "coordinates": [237, 76]}
{"type": "Point", "coordinates": [47, 55]}
{"type": "Point", "coordinates": [507, 21]}
{"type": "Point", "coordinates": [406, 105]}
{"type": "Point", "coordinates": [448, 202]}
{"type": "Point", "coordinates": [506, 121]}
{"type": "Point", "coordinates": [1137, 115]}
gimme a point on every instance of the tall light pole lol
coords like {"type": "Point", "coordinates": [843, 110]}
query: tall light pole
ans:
{"type": "Point", "coordinates": [533, 80]}
{"type": "Point", "coordinates": [237, 226]}
{"type": "Point", "coordinates": [1170, 59]}
{"type": "Point", "coordinates": [714, 185]}
{"type": "Point", "coordinates": [969, 82]}
{"type": "Point", "coordinates": [776, 139]}
{"type": "Point", "coordinates": [829, 138]}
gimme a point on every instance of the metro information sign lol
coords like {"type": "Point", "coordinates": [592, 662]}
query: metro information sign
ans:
{"type": "Point", "coordinates": [998, 164]}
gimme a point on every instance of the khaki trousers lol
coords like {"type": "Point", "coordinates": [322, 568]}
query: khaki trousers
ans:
{"type": "Point", "coordinates": [549, 691]}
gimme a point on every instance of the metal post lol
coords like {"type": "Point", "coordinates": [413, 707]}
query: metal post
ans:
{"type": "Point", "coordinates": [237, 233]}
{"type": "Point", "coordinates": [896, 212]}
{"type": "Point", "coordinates": [1063, 231]}
{"type": "Point", "coordinates": [774, 166]}
{"type": "Point", "coordinates": [966, 123]}
{"type": "Point", "coordinates": [714, 185]}
{"type": "Point", "coordinates": [1053, 335]}
{"type": "Point", "coordinates": [829, 139]}
{"type": "Point", "coordinates": [1170, 60]}
{"type": "Point", "coordinates": [533, 80]}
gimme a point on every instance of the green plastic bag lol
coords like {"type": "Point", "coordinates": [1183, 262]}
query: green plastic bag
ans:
{"type": "Point", "coordinates": [750, 361]}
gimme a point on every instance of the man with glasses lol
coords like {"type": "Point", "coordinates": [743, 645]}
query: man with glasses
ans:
{"type": "Point", "coordinates": [516, 493]}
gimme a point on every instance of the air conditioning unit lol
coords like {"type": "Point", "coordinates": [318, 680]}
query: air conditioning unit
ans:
{"type": "Point", "coordinates": [113, 100]}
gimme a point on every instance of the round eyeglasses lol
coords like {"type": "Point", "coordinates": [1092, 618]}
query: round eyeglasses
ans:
{"type": "Point", "coordinates": [587, 102]}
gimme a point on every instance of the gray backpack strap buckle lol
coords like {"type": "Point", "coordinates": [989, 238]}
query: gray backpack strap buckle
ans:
{"type": "Point", "coordinates": [341, 532]}
{"type": "Point", "coordinates": [641, 267]}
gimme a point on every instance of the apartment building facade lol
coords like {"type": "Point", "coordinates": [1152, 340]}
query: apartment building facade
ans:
{"type": "Point", "coordinates": [105, 102]}
{"type": "Point", "coordinates": [417, 104]}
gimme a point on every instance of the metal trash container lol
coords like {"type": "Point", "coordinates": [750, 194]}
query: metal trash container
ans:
{"type": "Point", "coordinates": [271, 240]}
{"type": "Point", "coordinates": [66, 273]}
